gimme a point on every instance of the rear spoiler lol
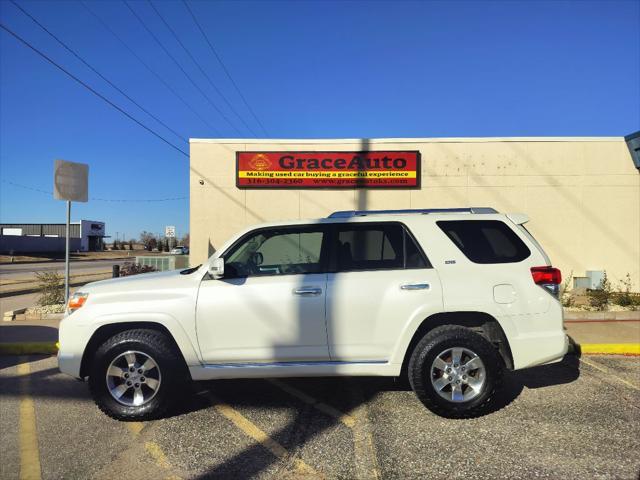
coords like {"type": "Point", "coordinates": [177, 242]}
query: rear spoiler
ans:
{"type": "Point", "coordinates": [518, 218]}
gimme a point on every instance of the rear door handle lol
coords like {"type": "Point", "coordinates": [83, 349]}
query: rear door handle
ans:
{"type": "Point", "coordinates": [415, 286]}
{"type": "Point", "coordinates": [307, 291]}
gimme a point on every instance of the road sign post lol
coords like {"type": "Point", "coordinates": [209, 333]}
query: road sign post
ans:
{"type": "Point", "coordinates": [70, 183]}
{"type": "Point", "coordinates": [66, 255]}
{"type": "Point", "coordinates": [170, 234]}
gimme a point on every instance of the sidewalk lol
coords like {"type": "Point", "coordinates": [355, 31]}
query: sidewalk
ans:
{"type": "Point", "coordinates": [606, 331]}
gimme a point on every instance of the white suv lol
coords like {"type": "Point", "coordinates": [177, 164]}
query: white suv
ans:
{"type": "Point", "coordinates": [447, 297]}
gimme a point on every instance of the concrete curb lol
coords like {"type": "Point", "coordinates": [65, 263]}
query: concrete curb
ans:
{"type": "Point", "coordinates": [35, 317]}
{"type": "Point", "coordinates": [632, 349]}
{"type": "Point", "coordinates": [599, 316]}
{"type": "Point", "coordinates": [10, 315]}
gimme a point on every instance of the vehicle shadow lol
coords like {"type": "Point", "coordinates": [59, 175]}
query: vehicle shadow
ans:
{"type": "Point", "coordinates": [35, 333]}
{"type": "Point", "coordinates": [8, 361]}
{"type": "Point", "coordinates": [563, 372]}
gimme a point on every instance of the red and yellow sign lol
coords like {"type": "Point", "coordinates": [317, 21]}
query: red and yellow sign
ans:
{"type": "Point", "coordinates": [377, 169]}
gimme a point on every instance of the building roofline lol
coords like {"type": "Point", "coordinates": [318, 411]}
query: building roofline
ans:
{"type": "Point", "coordinates": [402, 140]}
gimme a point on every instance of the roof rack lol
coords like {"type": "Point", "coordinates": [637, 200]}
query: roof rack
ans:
{"type": "Point", "coordinates": [422, 211]}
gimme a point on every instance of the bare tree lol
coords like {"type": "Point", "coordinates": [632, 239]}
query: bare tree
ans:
{"type": "Point", "coordinates": [149, 240]}
{"type": "Point", "coordinates": [185, 240]}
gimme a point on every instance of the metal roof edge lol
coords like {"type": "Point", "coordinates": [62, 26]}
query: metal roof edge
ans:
{"type": "Point", "coordinates": [401, 140]}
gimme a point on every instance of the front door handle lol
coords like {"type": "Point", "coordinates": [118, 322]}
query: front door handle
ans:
{"type": "Point", "coordinates": [415, 286]}
{"type": "Point", "coordinates": [307, 291]}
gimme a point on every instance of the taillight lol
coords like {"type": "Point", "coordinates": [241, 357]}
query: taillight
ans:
{"type": "Point", "coordinates": [542, 275]}
{"type": "Point", "coordinates": [547, 277]}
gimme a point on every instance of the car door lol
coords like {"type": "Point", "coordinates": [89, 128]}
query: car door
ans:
{"type": "Point", "coordinates": [381, 279]}
{"type": "Point", "coordinates": [270, 304]}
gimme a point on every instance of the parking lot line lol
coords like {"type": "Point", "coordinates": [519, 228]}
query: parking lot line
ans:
{"type": "Point", "coordinates": [29, 452]}
{"type": "Point", "coordinates": [261, 437]}
{"type": "Point", "coordinates": [609, 374]}
{"type": "Point", "coordinates": [366, 460]}
{"type": "Point", "coordinates": [158, 455]}
{"type": "Point", "coordinates": [135, 427]}
{"type": "Point", "coordinates": [153, 449]}
{"type": "Point", "coordinates": [347, 420]}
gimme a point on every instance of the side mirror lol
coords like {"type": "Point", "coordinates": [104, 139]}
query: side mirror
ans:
{"type": "Point", "coordinates": [257, 258]}
{"type": "Point", "coordinates": [216, 268]}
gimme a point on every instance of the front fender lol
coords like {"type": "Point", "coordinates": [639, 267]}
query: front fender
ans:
{"type": "Point", "coordinates": [77, 331]}
{"type": "Point", "coordinates": [175, 328]}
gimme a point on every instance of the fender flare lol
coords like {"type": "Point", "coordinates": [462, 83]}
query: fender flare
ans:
{"type": "Point", "coordinates": [182, 340]}
{"type": "Point", "coordinates": [416, 323]}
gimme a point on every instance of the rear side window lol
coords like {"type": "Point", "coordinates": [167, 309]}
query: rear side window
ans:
{"type": "Point", "coordinates": [376, 247]}
{"type": "Point", "coordinates": [485, 241]}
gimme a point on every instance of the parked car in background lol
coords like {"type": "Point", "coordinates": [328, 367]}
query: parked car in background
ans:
{"type": "Point", "coordinates": [179, 250]}
{"type": "Point", "coordinates": [449, 298]}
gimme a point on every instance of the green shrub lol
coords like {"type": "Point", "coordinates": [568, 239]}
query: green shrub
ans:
{"type": "Point", "coordinates": [51, 288]}
{"type": "Point", "coordinates": [601, 297]}
{"type": "Point", "coordinates": [624, 297]}
{"type": "Point", "coordinates": [565, 295]}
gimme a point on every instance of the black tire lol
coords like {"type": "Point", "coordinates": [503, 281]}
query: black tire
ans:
{"type": "Point", "coordinates": [431, 346]}
{"type": "Point", "coordinates": [161, 349]}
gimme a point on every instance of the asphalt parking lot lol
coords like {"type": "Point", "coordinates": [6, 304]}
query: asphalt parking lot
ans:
{"type": "Point", "coordinates": [575, 419]}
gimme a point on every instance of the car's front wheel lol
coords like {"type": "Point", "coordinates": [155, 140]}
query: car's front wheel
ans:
{"type": "Point", "coordinates": [135, 375]}
{"type": "Point", "coordinates": [455, 372]}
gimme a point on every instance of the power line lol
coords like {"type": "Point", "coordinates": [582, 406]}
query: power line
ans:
{"type": "Point", "coordinates": [127, 200]}
{"type": "Point", "coordinates": [52, 62]}
{"type": "Point", "coordinates": [224, 67]}
{"type": "Point", "coordinates": [66, 47]}
{"type": "Point", "coordinates": [215, 87]}
{"type": "Point", "coordinates": [203, 73]}
{"type": "Point", "coordinates": [181, 69]}
{"type": "Point", "coordinates": [153, 72]}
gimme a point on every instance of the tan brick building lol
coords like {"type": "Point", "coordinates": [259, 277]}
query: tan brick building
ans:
{"type": "Point", "coordinates": [581, 194]}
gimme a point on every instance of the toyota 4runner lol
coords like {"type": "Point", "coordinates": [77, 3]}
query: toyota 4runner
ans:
{"type": "Point", "coordinates": [448, 298]}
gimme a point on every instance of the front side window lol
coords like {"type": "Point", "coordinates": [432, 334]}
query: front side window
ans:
{"type": "Point", "coordinates": [376, 247]}
{"type": "Point", "coordinates": [485, 241]}
{"type": "Point", "coordinates": [283, 251]}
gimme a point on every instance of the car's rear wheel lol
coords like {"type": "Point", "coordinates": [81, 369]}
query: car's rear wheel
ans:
{"type": "Point", "coordinates": [455, 372]}
{"type": "Point", "coordinates": [135, 375]}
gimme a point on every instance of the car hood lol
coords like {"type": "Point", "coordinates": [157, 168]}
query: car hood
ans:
{"type": "Point", "coordinates": [142, 281]}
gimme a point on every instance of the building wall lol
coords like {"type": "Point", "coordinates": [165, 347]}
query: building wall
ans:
{"type": "Point", "coordinates": [44, 229]}
{"type": "Point", "coordinates": [90, 228]}
{"type": "Point", "coordinates": [14, 244]}
{"type": "Point", "coordinates": [581, 194]}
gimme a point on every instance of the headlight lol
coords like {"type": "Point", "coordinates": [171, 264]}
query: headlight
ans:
{"type": "Point", "coordinates": [76, 301]}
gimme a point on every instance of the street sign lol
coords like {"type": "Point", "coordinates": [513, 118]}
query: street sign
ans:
{"type": "Point", "coordinates": [170, 231]}
{"type": "Point", "coordinates": [71, 181]}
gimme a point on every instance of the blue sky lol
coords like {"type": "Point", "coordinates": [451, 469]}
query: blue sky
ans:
{"type": "Point", "coordinates": [308, 69]}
